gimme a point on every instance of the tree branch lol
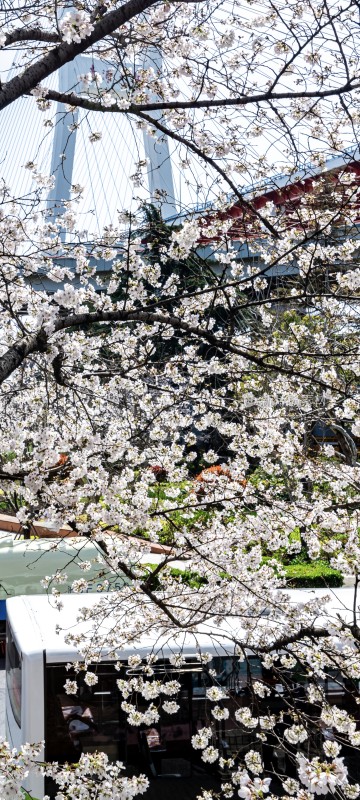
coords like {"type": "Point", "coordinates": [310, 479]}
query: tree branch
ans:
{"type": "Point", "coordinates": [303, 633]}
{"type": "Point", "coordinates": [31, 35]}
{"type": "Point", "coordinates": [75, 100]}
{"type": "Point", "coordinates": [38, 342]}
{"type": "Point", "coordinates": [23, 84]}
{"type": "Point", "coordinates": [208, 160]}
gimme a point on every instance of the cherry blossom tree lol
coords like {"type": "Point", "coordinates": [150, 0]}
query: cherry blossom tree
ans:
{"type": "Point", "coordinates": [100, 428]}
{"type": "Point", "coordinates": [284, 74]}
{"type": "Point", "coordinates": [116, 392]}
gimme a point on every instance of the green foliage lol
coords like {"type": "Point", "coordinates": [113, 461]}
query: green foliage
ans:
{"type": "Point", "coordinates": [185, 518]}
{"type": "Point", "coordinates": [186, 576]}
{"type": "Point", "coordinates": [316, 574]}
{"type": "Point", "coordinates": [192, 579]}
{"type": "Point", "coordinates": [191, 271]}
{"type": "Point", "coordinates": [299, 569]}
{"type": "Point", "coordinates": [178, 520]}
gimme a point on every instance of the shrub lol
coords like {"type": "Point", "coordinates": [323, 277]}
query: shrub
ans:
{"type": "Point", "coordinates": [317, 574]}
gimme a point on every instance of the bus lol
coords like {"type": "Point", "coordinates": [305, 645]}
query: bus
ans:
{"type": "Point", "coordinates": [37, 707]}
{"type": "Point", "coordinates": [25, 562]}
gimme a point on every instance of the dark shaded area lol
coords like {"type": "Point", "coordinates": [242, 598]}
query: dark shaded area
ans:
{"type": "Point", "coordinates": [181, 788]}
{"type": "Point", "coordinates": [93, 720]}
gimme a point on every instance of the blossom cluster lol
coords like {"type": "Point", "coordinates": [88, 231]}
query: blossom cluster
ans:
{"type": "Point", "coordinates": [75, 26]}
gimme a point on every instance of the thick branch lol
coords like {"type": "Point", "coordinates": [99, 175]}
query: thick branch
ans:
{"type": "Point", "coordinates": [15, 355]}
{"type": "Point", "coordinates": [31, 35]}
{"type": "Point", "coordinates": [52, 61]}
{"type": "Point", "coordinates": [18, 352]}
{"type": "Point", "coordinates": [303, 633]}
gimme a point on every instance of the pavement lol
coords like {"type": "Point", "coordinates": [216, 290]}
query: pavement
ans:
{"type": "Point", "coordinates": [2, 697]}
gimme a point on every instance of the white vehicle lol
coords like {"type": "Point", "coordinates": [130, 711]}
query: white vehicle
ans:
{"type": "Point", "coordinates": [25, 562]}
{"type": "Point", "coordinates": [37, 707]}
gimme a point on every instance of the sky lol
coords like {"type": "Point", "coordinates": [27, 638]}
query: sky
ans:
{"type": "Point", "coordinates": [105, 167]}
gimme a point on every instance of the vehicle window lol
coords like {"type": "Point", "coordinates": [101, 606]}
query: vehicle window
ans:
{"type": "Point", "coordinates": [334, 683]}
{"type": "Point", "coordinates": [233, 673]}
{"type": "Point", "coordinates": [88, 721]}
{"type": "Point", "coordinates": [13, 675]}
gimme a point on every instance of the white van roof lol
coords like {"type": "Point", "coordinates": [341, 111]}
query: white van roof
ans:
{"type": "Point", "coordinates": [34, 620]}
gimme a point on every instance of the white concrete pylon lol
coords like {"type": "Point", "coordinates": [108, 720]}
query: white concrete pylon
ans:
{"type": "Point", "coordinates": [159, 169]}
{"type": "Point", "coordinates": [161, 184]}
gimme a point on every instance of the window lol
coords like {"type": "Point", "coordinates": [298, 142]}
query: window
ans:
{"type": "Point", "coordinates": [334, 684]}
{"type": "Point", "coordinates": [92, 720]}
{"type": "Point", "coordinates": [13, 675]}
